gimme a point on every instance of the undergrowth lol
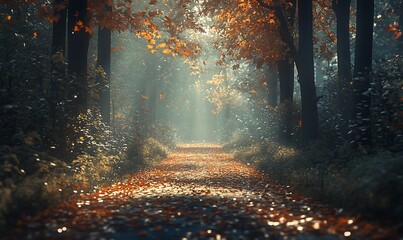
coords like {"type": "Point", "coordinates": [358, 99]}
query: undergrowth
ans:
{"type": "Point", "coordinates": [32, 180]}
{"type": "Point", "coordinates": [371, 185]}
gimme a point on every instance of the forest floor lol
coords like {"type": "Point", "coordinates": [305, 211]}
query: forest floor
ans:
{"type": "Point", "coordinates": [199, 192]}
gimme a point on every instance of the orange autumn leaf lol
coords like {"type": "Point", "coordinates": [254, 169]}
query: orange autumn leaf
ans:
{"type": "Point", "coordinates": [162, 96]}
{"type": "Point", "coordinates": [187, 53]}
{"type": "Point", "coordinates": [393, 27]}
{"type": "Point", "coordinates": [167, 51]}
{"type": "Point", "coordinates": [147, 36]}
{"type": "Point", "coordinates": [162, 45]}
{"type": "Point", "coordinates": [88, 30]}
{"type": "Point", "coordinates": [397, 35]}
{"type": "Point", "coordinates": [117, 48]}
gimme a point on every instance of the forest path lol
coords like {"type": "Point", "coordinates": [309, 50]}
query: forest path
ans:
{"type": "Point", "coordinates": [199, 192]}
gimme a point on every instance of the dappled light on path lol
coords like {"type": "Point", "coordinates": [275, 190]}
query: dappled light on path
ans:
{"type": "Point", "coordinates": [199, 192]}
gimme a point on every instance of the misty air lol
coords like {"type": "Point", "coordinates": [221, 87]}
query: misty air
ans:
{"type": "Point", "coordinates": [201, 119]}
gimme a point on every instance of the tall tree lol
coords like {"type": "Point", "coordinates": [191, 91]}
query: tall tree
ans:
{"type": "Point", "coordinates": [59, 27]}
{"type": "Point", "coordinates": [362, 73]}
{"type": "Point", "coordinates": [310, 121]}
{"type": "Point", "coordinates": [104, 62]}
{"type": "Point", "coordinates": [286, 77]}
{"type": "Point", "coordinates": [272, 86]}
{"type": "Point", "coordinates": [78, 44]}
{"type": "Point", "coordinates": [57, 69]}
{"type": "Point", "coordinates": [398, 7]}
{"type": "Point", "coordinates": [401, 27]}
{"type": "Point", "coordinates": [342, 10]}
{"type": "Point", "coordinates": [303, 61]}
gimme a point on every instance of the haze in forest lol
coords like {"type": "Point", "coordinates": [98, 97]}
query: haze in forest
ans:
{"type": "Point", "coordinates": [270, 103]}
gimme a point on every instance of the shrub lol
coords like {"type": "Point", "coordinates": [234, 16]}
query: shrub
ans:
{"type": "Point", "coordinates": [32, 180]}
{"type": "Point", "coordinates": [369, 184]}
{"type": "Point", "coordinates": [145, 152]}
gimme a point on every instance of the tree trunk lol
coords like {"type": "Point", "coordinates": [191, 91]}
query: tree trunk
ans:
{"type": "Point", "coordinates": [77, 86]}
{"type": "Point", "coordinates": [401, 28]}
{"type": "Point", "coordinates": [342, 10]}
{"type": "Point", "coordinates": [272, 87]}
{"type": "Point", "coordinates": [286, 78]}
{"type": "Point", "coordinates": [104, 61]}
{"type": "Point", "coordinates": [59, 27]}
{"type": "Point", "coordinates": [310, 121]}
{"type": "Point", "coordinates": [58, 49]}
{"type": "Point", "coordinates": [362, 71]}
{"type": "Point", "coordinates": [78, 43]}
{"type": "Point", "coordinates": [303, 62]}
{"type": "Point", "coordinates": [57, 69]}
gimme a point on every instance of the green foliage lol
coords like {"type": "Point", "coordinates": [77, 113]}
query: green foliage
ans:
{"type": "Point", "coordinates": [144, 153]}
{"type": "Point", "coordinates": [24, 72]}
{"type": "Point", "coordinates": [106, 155]}
{"type": "Point", "coordinates": [96, 170]}
{"type": "Point", "coordinates": [153, 150]}
{"type": "Point", "coordinates": [387, 103]}
{"type": "Point", "coordinates": [30, 180]}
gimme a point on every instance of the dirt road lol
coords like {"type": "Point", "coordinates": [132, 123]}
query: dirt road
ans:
{"type": "Point", "coordinates": [199, 192]}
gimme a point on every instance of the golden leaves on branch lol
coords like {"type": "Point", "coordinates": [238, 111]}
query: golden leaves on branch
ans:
{"type": "Point", "coordinates": [246, 30]}
{"type": "Point", "coordinates": [173, 46]}
{"type": "Point", "coordinates": [167, 51]}
{"type": "Point", "coordinates": [151, 20]}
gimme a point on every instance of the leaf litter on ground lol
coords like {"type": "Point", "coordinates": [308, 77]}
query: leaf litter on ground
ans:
{"type": "Point", "coordinates": [199, 192]}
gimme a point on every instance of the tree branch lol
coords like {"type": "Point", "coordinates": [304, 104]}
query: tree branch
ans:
{"type": "Point", "coordinates": [285, 33]}
{"type": "Point", "coordinates": [335, 6]}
